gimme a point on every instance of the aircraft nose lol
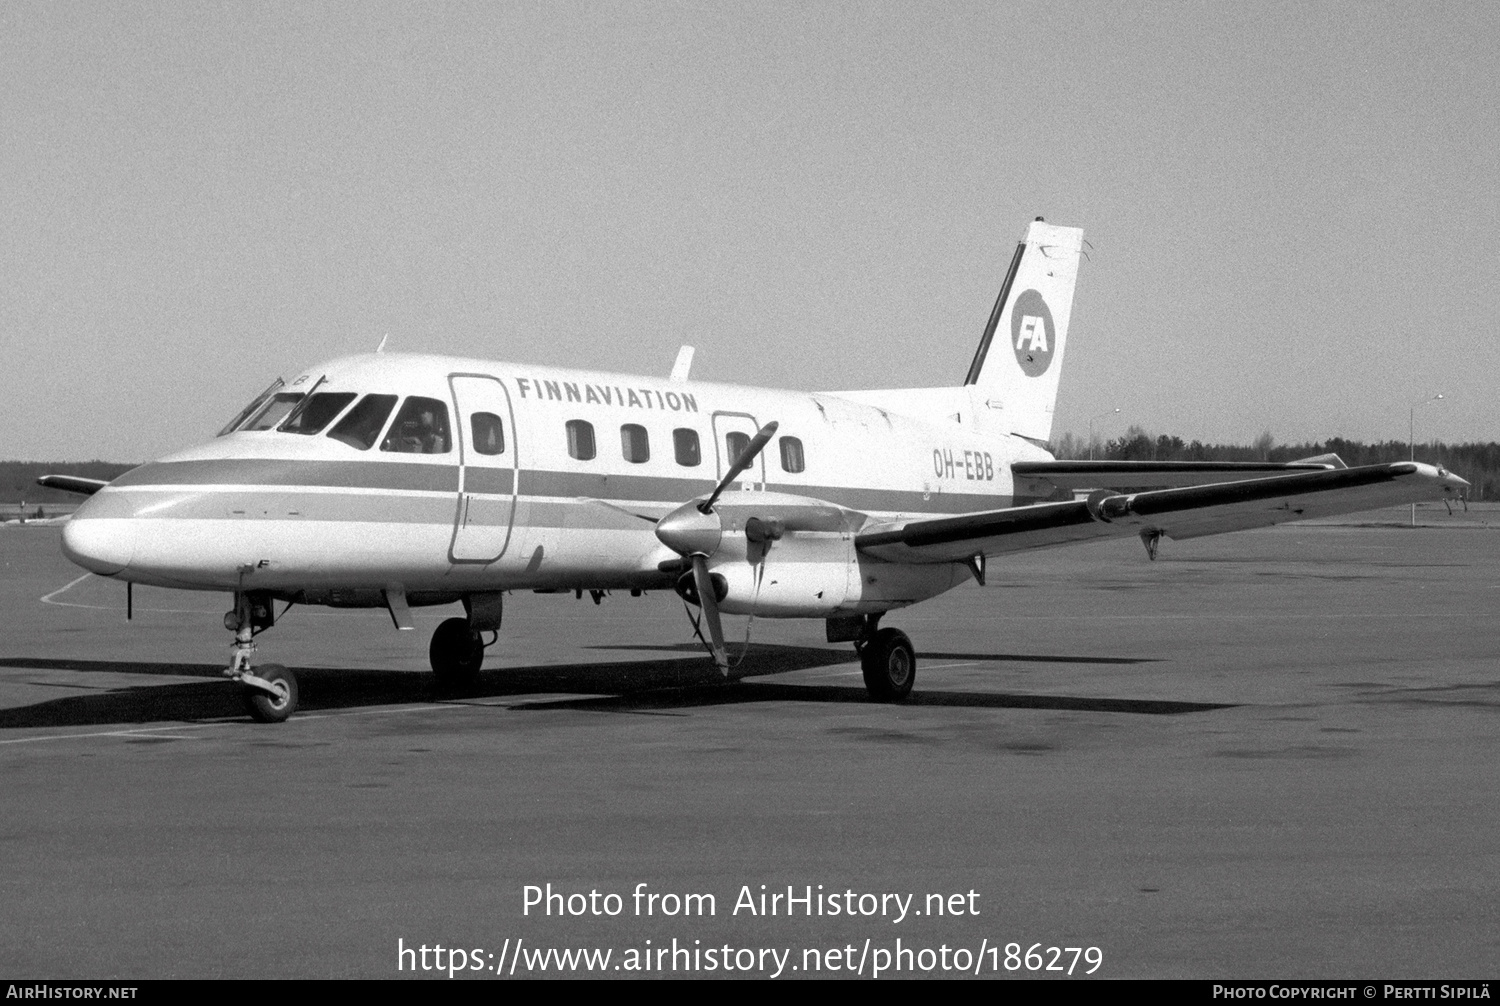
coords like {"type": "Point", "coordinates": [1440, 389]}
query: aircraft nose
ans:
{"type": "Point", "coordinates": [100, 545]}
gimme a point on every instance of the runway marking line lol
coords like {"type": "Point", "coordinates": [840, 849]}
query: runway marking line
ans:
{"type": "Point", "coordinates": [148, 732]}
{"type": "Point", "coordinates": [47, 598]}
{"type": "Point", "coordinates": [1211, 617]}
{"type": "Point", "coordinates": [378, 711]}
{"type": "Point", "coordinates": [158, 734]}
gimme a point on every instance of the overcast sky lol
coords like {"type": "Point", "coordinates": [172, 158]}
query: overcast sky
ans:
{"type": "Point", "coordinates": [1292, 207]}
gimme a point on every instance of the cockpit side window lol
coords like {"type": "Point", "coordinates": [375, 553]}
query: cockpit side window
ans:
{"type": "Point", "coordinates": [319, 411]}
{"type": "Point", "coordinates": [360, 428]}
{"type": "Point", "coordinates": [421, 427]}
{"type": "Point", "coordinates": [274, 411]}
{"type": "Point", "coordinates": [256, 403]}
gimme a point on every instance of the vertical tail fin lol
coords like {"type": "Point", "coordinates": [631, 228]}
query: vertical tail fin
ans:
{"type": "Point", "coordinates": [1017, 376]}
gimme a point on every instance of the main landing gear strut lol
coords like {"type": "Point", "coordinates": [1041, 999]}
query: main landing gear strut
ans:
{"type": "Point", "coordinates": [456, 653]}
{"type": "Point", "coordinates": [457, 649]}
{"type": "Point", "coordinates": [270, 690]}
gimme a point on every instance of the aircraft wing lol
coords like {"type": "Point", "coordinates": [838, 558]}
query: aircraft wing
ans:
{"type": "Point", "coordinates": [1138, 474]}
{"type": "Point", "coordinates": [1187, 512]}
{"type": "Point", "coordinates": [72, 484]}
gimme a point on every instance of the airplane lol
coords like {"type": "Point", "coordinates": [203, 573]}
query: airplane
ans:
{"type": "Point", "coordinates": [400, 480]}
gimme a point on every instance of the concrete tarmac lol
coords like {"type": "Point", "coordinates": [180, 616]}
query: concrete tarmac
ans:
{"type": "Point", "coordinates": [1274, 754]}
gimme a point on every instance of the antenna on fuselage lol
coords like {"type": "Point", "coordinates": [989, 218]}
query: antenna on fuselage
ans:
{"type": "Point", "coordinates": [683, 365]}
{"type": "Point", "coordinates": [381, 348]}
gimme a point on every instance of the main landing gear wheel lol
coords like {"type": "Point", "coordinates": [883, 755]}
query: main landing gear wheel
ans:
{"type": "Point", "coordinates": [890, 665]}
{"type": "Point", "coordinates": [266, 707]}
{"type": "Point", "coordinates": [456, 653]}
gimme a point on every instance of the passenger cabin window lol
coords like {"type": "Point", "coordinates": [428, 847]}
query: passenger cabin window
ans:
{"type": "Point", "coordinates": [791, 455]}
{"type": "Point", "coordinates": [581, 440]}
{"type": "Point", "coordinates": [735, 444]}
{"type": "Point", "coordinates": [421, 427]}
{"type": "Point", "coordinates": [317, 412]}
{"type": "Point", "coordinates": [275, 410]}
{"type": "Point", "coordinates": [361, 427]}
{"type": "Point", "coordinates": [489, 433]}
{"type": "Point", "coordinates": [634, 444]}
{"type": "Point", "coordinates": [685, 446]}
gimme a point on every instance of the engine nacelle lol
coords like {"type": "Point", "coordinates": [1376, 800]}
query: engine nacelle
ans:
{"type": "Point", "coordinates": [805, 577]}
{"type": "Point", "coordinates": [1105, 505]}
{"type": "Point", "coordinates": [785, 590]}
{"type": "Point", "coordinates": [780, 556]}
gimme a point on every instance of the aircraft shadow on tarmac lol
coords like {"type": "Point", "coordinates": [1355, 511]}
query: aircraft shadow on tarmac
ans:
{"type": "Point", "coordinates": [1030, 658]}
{"type": "Point", "coordinates": [661, 684]}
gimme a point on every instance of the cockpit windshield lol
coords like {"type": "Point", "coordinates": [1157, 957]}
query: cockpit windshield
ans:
{"type": "Point", "coordinates": [274, 411]}
{"type": "Point", "coordinates": [319, 411]}
{"type": "Point", "coordinates": [255, 403]}
{"type": "Point", "coordinates": [421, 427]}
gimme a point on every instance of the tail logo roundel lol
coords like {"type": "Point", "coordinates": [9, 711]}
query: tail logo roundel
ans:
{"type": "Point", "coordinates": [1032, 335]}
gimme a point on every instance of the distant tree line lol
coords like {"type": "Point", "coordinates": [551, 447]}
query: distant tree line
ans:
{"type": "Point", "coordinates": [18, 479]}
{"type": "Point", "coordinates": [1479, 463]}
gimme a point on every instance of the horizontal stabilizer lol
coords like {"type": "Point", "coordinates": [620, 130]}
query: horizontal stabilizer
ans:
{"type": "Point", "coordinates": [1326, 460]}
{"type": "Point", "coordinates": [1187, 512]}
{"type": "Point", "coordinates": [1139, 474]}
{"type": "Point", "coordinates": [72, 484]}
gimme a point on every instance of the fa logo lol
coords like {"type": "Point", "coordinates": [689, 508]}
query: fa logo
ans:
{"type": "Point", "coordinates": [1032, 334]}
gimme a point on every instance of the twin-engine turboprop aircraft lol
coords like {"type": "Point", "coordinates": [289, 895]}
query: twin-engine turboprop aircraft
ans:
{"type": "Point", "coordinates": [399, 480]}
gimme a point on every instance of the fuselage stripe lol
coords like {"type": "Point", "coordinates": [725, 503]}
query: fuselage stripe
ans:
{"type": "Point", "coordinates": [256, 475]}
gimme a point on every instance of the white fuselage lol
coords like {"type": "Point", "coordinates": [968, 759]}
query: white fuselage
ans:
{"type": "Point", "coordinates": [312, 517]}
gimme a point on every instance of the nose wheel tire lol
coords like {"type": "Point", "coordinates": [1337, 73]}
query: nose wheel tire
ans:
{"type": "Point", "coordinates": [890, 665]}
{"type": "Point", "coordinates": [456, 653]}
{"type": "Point", "coordinates": [265, 707]}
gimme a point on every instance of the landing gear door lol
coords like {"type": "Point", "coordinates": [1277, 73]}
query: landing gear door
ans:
{"type": "Point", "coordinates": [732, 432]}
{"type": "Point", "coordinates": [487, 473]}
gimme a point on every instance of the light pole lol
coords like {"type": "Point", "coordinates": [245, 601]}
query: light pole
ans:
{"type": "Point", "coordinates": [1411, 439]}
{"type": "Point", "coordinates": [1101, 415]}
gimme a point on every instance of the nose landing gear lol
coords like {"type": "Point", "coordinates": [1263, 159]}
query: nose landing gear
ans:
{"type": "Point", "coordinates": [271, 696]}
{"type": "Point", "coordinates": [270, 692]}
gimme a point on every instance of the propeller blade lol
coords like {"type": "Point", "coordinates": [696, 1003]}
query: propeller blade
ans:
{"type": "Point", "coordinates": [747, 458]}
{"type": "Point", "coordinates": [620, 509]}
{"type": "Point", "coordinates": [710, 605]}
